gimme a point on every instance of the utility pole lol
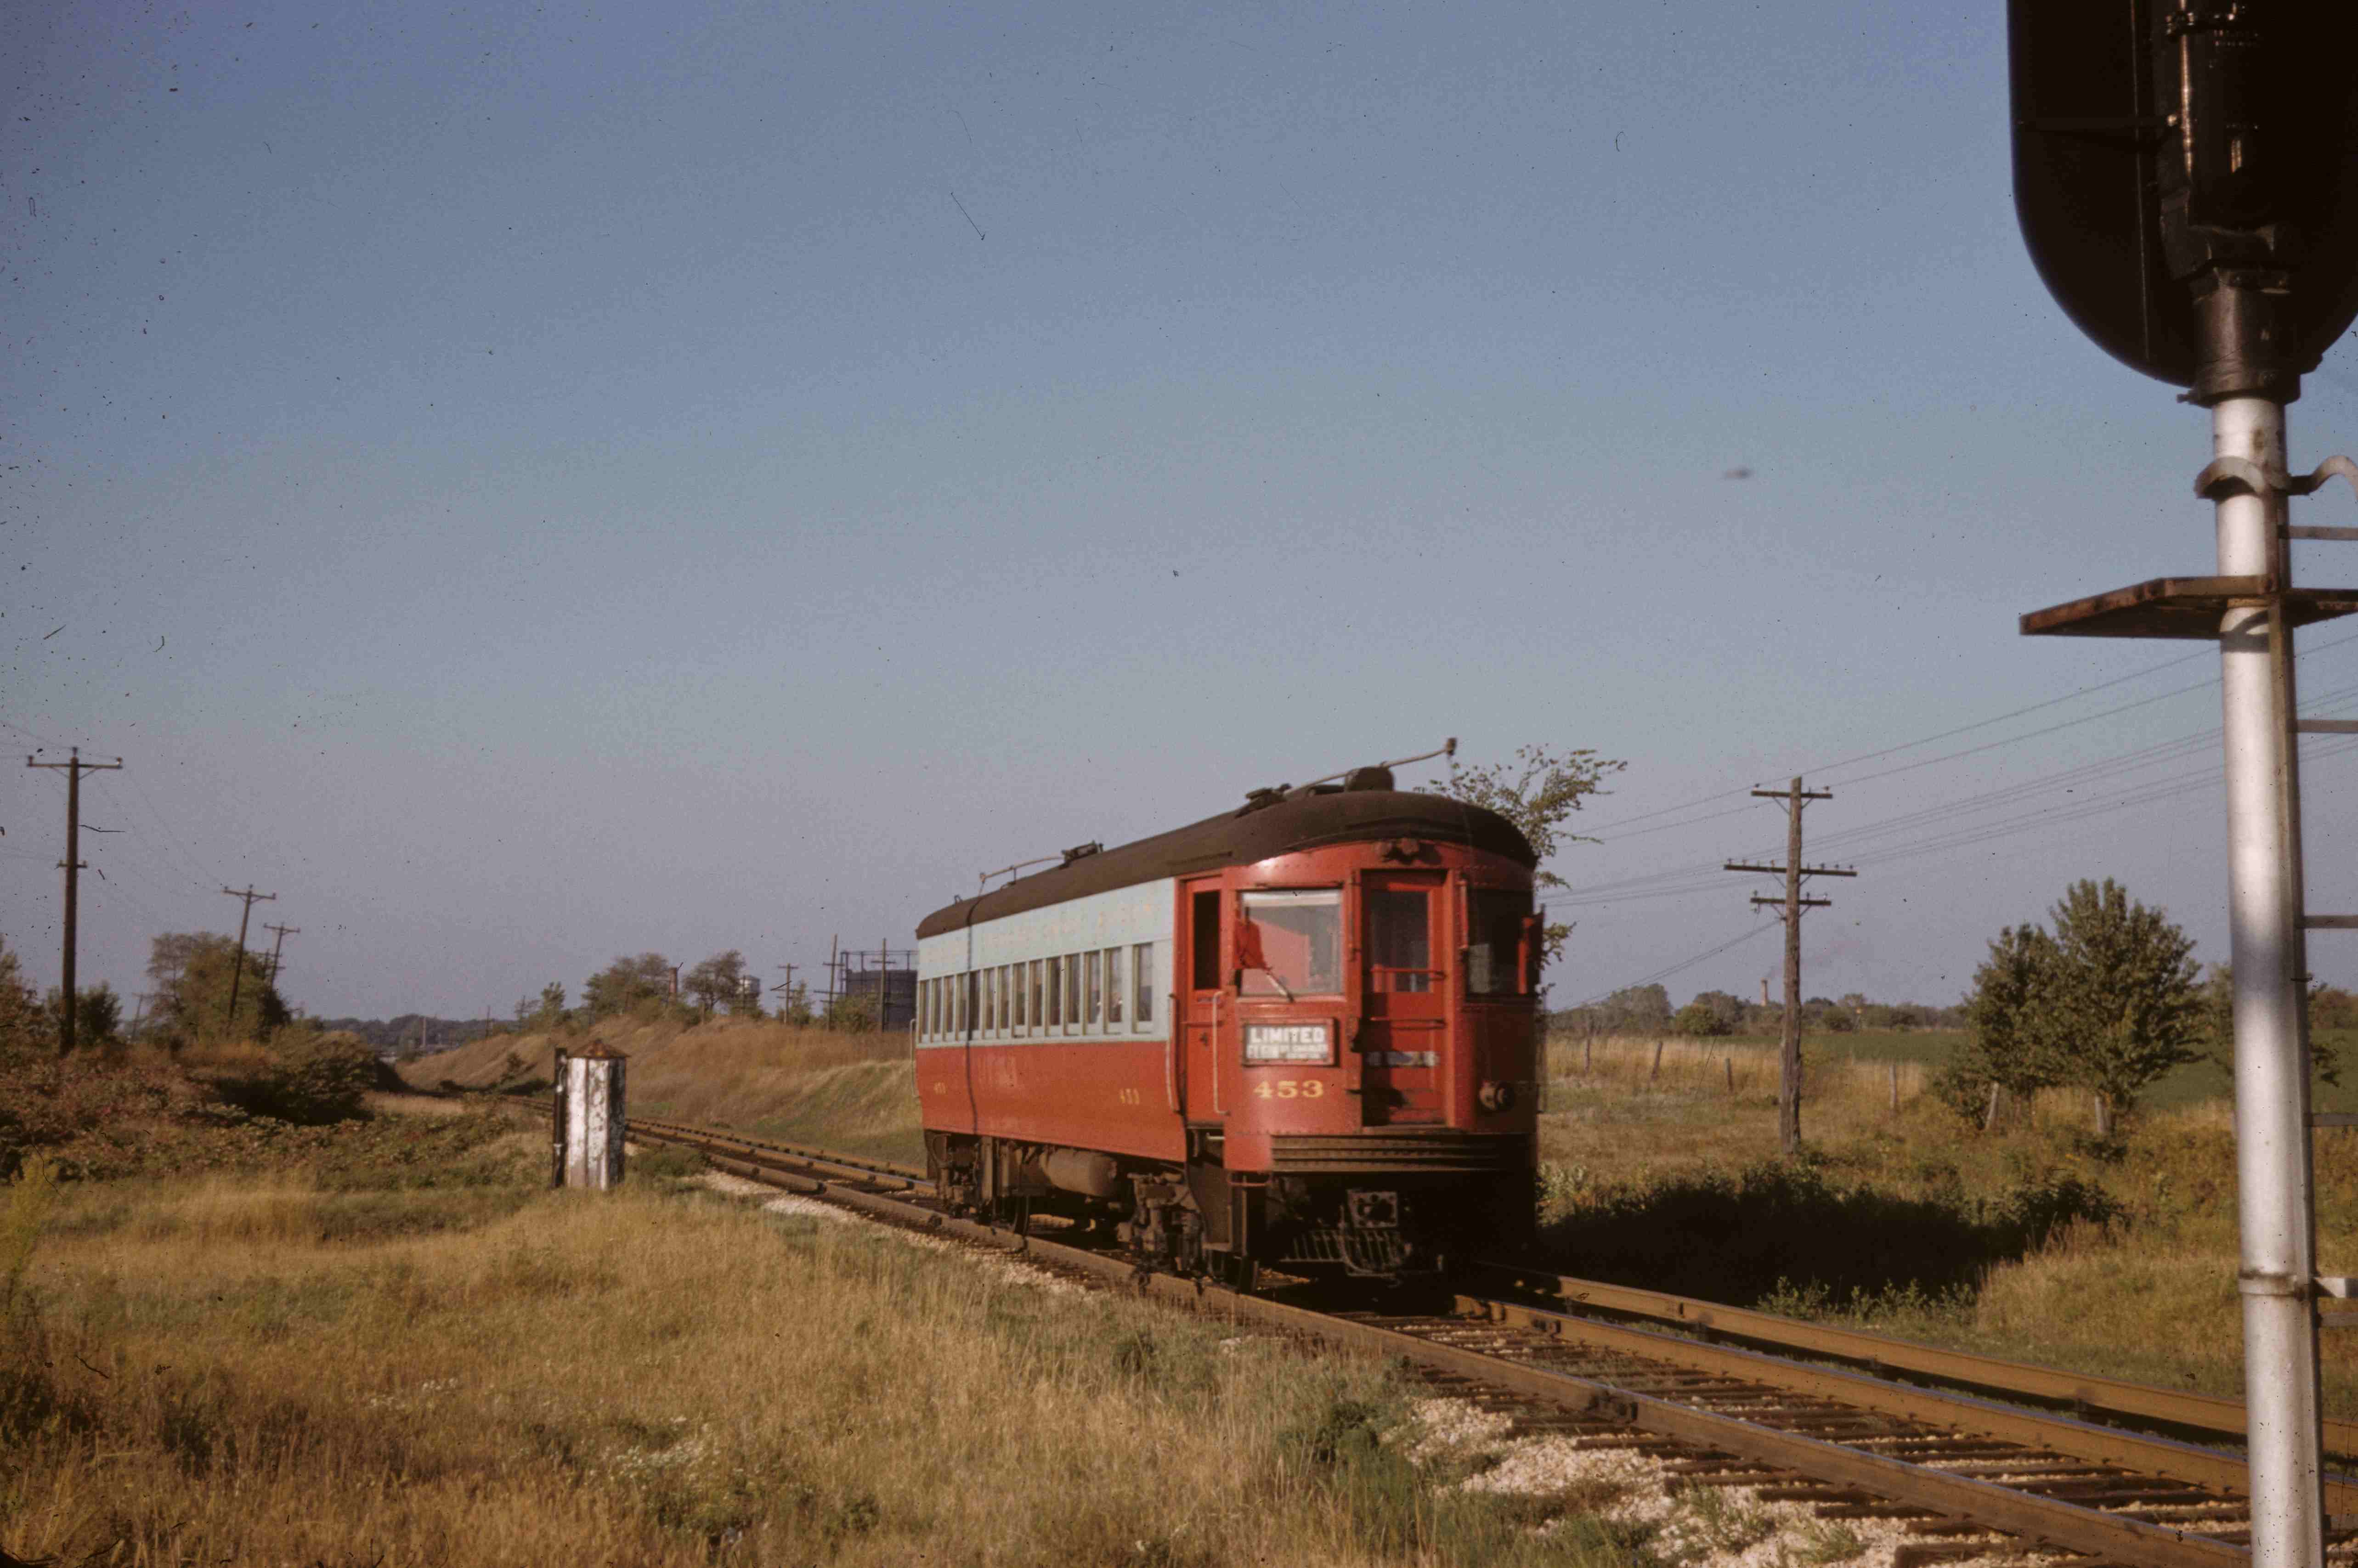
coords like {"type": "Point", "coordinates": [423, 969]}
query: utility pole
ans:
{"type": "Point", "coordinates": [284, 933]}
{"type": "Point", "coordinates": [238, 973]}
{"type": "Point", "coordinates": [72, 864]}
{"type": "Point", "coordinates": [1789, 1057]}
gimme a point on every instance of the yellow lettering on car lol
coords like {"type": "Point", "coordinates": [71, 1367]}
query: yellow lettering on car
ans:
{"type": "Point", "coordinates": [1291, 1088]}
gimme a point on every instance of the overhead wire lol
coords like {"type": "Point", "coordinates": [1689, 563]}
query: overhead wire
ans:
{"type": "Point", "coordinates": [1696, 877]}
{"type": "Point", "coordinates": [1947, 734]}
{"type": "Point", "coordinates": [1665, 973]}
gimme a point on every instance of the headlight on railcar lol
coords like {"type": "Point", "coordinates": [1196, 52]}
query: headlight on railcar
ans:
{"type": "Point", "coordinates": [1495, 1096]}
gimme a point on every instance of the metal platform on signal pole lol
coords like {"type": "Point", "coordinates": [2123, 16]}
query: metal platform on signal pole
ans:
{"type": "Point", "coordinates": [2184, 606]}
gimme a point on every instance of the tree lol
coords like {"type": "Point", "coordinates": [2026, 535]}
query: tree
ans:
{"type": "Point", "coordinates": [1635, 1010]}
{"type": "Point", "coordinates": [793, 1004]}
{"type": "Point", "coordinates": [1697, 1018]}
{"type": "Point", "coordinates": [626, 983]}
{"type": "Point", "coordinates": [2107, 1002]}
{"type": "Point", "coordinates": [98, 1018]}
{"type": "Point", "coordinates": [190, 973]}
{"type": "Point", "coordinates": [1726, 1011]}
{"type": "Point", "coordinates": [2009, 1050]}
{"type": "Point", "coordinates": [23, 1025]}
{"type": "Point", "coordinates": [2121, 1005]}
{"type": "Point", "coordinates": [717, 981]}
{"type": "Point", "coordinates": [1536, 792]}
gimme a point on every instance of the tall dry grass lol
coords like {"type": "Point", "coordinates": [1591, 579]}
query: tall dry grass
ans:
{"type": "Point", "coordinates": [664, 1378]}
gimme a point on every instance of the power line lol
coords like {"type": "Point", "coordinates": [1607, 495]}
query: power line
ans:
{"type": "Point", "coordinates": [1665, 973]}
{"type": "Point", "coordinates": [199, 877]}
{"type": "Point", "coordinates": [1947, 734]}
{"type": "Point", "coordinates": [1694, 877]}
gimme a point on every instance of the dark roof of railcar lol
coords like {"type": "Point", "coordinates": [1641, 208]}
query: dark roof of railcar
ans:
{"type": "Point", "coordinates": [1242, 837]}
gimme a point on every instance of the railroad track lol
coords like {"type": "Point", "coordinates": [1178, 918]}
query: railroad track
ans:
{"type": "Point", "coordinates": [1969, 1450]}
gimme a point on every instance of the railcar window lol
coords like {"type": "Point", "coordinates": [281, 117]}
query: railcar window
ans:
{"type": "Point", "coordinates": [1095, 965]}
{"type": "Point", "coordinates": [1400, 939]}
{"type": "Point", "coordinates": [990, 1013]}
{"type": "Point", "coordinates": [1113, 985]}
{"type": "Point", "coordinates": [1142, 970]}
{"type": "Point", "coordinates": [1056, 991]}
{"type": "Point", "coordinates": [1290, 942]}
{"type": "Point", "coordinates": [999, 979]}
{"type": "Point", "coordinates": [933, 994]}
{"type": "Point", "coordinates": [1038, 1017]}
{"type": "Point", "coordinates": [1072, 989]}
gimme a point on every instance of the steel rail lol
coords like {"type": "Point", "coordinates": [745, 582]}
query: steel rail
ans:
{"type": "Point", "coordinates": [2085, 1392]}
{"type": "Point", "coordinates": [2014, 1423]}
{"type": "Point", "coordinates": [2037, 1519]}
{"type": "Point", "coordinates": [907, 1176]}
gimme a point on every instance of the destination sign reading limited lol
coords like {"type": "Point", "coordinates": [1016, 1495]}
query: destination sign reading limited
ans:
{"type": "Point", "coordinates": [1289, 1041]}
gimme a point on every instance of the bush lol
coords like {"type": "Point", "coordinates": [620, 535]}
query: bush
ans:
{"type": "Point", "coordinates": [1698, 1018]}
{"type": "Point", "coordinates": [310, 1078]}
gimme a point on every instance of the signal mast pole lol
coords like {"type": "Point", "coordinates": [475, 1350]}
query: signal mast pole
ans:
{"type": "Point", "coordinates": [2185, 175]}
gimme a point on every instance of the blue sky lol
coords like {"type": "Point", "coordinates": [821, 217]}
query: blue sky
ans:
{"type": "Point", "coordinates": [536, 483]}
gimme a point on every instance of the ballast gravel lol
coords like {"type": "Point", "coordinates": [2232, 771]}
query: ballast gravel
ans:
{"type": "Point", "coordinates": [1707, 1527]}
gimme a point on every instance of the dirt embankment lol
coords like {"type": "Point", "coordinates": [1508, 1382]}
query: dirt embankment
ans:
{"type": "Point", "coordinates": [855, 1092]}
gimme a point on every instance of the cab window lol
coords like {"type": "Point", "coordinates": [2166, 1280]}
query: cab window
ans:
{"type": "Point", "coordinates": [1290, 942]}
{"type": "Point", "coordinates": [1497, 924]}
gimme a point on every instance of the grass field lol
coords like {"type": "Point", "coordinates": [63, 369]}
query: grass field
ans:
{"type": "Point", "coordinates": [385, 1341]}
{"type": "Point", "coordinates": [257, 1369]}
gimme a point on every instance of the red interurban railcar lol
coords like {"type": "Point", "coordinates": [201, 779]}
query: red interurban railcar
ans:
{"type": "Point", "coordinates": [1300, 1033]}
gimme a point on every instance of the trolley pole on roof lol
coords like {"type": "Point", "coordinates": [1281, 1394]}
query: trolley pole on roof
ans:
{"type": "Point", "coordinates": [1788, 1055]}
{"type": "Point", "coordinates": [2185, 176]}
